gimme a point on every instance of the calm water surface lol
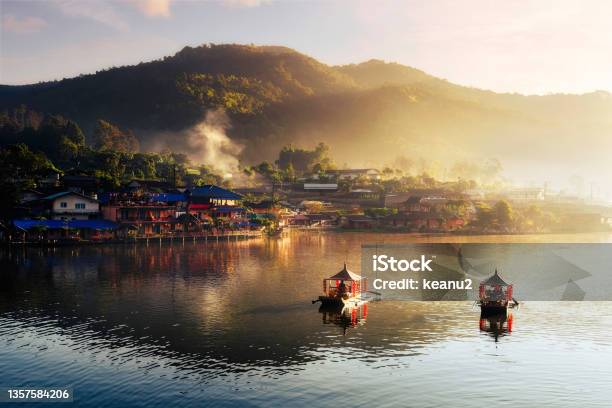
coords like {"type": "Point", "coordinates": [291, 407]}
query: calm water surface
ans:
{"type": "Point", "coordinates": [231, 324]}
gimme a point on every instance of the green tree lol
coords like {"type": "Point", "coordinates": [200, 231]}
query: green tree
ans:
{"type": "Point", "coordinates": [304, 160]}
{"type": "Point", "coordinates": [109, 137]}
{"type": "Point", "coordinates": [503, 213]}
{"type": "Point", "coordinates": [21, 168]}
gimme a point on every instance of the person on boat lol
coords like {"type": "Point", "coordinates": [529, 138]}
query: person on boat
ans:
{"type": "Point", "coordinates": [341, 288]}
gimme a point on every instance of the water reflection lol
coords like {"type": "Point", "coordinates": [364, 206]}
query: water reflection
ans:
{"type": "Point", "coordinates": [230, 322]}
{"type": "Point", "coordinates": [497, 326]}
{"type": "Point", "coordinates": [228, 306]}
{"type": "Point", "coordinates": [344, 317]}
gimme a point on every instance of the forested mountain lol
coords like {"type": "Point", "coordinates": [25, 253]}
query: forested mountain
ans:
{"type": "Point", "coordinates": [369, 113]}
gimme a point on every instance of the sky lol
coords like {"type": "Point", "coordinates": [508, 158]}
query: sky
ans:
{"type": "Point", "coordinates": [533, 47]}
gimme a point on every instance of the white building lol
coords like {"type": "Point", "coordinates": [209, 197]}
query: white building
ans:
{"type": "Point", "coordinates": [526, 194]}
{"type": "Point", "coordinates": [72, 206]}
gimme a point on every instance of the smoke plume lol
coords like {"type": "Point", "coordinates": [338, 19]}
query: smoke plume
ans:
{"type": "Point", "coordinates": [208, 143]}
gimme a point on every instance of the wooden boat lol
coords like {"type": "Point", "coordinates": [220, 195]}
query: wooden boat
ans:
{"type": "Point", "coordinates": [342, 289]}
{"type": "Point", "coordinates": [495, 296]}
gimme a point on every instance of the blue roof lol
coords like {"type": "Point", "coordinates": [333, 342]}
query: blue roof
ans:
{"type": "Point", "coordinates": [167, 197]}
{"type": "Point", "coordinates": [59, 224]}
{"type": "Point", "coordinates": [210, 191]}
{"type": "Point", "coordinates": [227, 208]}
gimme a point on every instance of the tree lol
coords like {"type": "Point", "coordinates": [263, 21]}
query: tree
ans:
{"type": "Point", "coordinates": [388, 172]}
{"type": "Point", "coordinates": [304, 160]}
{"type": "Point", "coordinates": [289, 173]}
{"type": "Point", "coordinates": [109, 137]}
{"type": "Point", "coordinates": [59, 138]}
{"type": "Point", "coordinates": [268, 171]}
{"type": "Point", "coordinates": [20, 168]}
{"type": "Point", "coordinates": [503, 213]}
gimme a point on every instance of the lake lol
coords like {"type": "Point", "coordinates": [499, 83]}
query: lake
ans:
{"type": "Point", "coordinates": [232, 324]}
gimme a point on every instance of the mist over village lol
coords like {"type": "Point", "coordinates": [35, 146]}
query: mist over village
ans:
{"type": "Point", "coordinates": [272, 143]}
{"type": "Point", "coordinates": [279, 181]}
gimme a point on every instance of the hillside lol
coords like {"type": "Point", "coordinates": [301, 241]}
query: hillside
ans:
{"type": "Point", "coordinates": [370, 113]}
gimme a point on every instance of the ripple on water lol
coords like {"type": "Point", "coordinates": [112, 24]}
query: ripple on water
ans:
{"type": "Point", "coordinates": [162, 327]}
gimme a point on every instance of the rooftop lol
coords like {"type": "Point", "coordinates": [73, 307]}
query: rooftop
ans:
{"type": "Point", "coordinates": [210, 191]}
{"type": "Point", "coordinates": [345, 275]}
{"type": "Point", "coordinates": [494, 280]}
{"type": "Point", "coordinates": [65, 193]}
{"type": "Point", "coordinates": [27, 225]}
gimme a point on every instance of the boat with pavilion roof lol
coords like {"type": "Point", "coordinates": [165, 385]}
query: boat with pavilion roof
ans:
{"type": "Point", "coordinates": [343, 288]}
{"type": "Point", "coordinates": [495, 296]}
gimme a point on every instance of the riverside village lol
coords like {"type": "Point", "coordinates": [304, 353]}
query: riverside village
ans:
{"type": "Point", "coordinates": [60, 208]}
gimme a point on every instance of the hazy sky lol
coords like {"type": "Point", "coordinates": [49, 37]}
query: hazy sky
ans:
{"type": "Point", "coordinates": [524, 46]}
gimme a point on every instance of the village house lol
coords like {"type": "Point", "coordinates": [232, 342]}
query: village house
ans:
{"type": "Point", "coordinates": [413, 205]}
{"type": "Point", "coordinates": [66, 205]}
{"type": "Point", "coordinates": [62, 230]}
{"type": "Point", "coordinates": [397, 199]}
{"type": "Point", "coordinates": [321, 187]}
{"type": "Point", "coordinates": [264, 210]}
{"type": "Point", "coordinates": [416, 222]}
{"type": "Point", "coordinates": [146, 215]}
{"type": "Point", "coordinates": [212, 202]}
{"type": "Point", "coordinates": [50, 180]}
{"type": "Point", "coordinates": [313, 220]}
{"type": "Point", "coordinates": [268, 209]}
{"type": "Point", "coordinates": [526, 194]}
{"type": "Point", "coordinates": [358, 221]}
{"type": "Point", "coordinates": [366, 192]}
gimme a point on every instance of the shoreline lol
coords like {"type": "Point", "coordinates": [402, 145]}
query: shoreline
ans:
{"type": "Point", "coordinates": [140, 240]}
{"type": "Point", "coordinates": [243, 236]}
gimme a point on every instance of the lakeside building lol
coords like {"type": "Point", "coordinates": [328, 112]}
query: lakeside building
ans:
{"type": "Point", "coordinates": [358, 221]}
{"type": "Point", "coordinates": [147, 214]}
{"type": "Point", "coordinates": [422, 222]}
{"type": "Point", "coordinates": [270, 210]}
{"type": "Point", "coordinates": [62, 230]}
{"type": "Point", "coordinates": [367, 193]}
{"type": "Point", "coordinates": [526, 194]}
{"type": "Point", "coordinates": [398, 199]}
{"type": "Point", "coordinates": [65, 205]}
{"type": "Point", "coordinates": [50, 180]}
{"type": "Point", "coordinates": [313, 220]}
{"type": "Point", "coordinates": [321, 187]}
{"type": "Point", "coordinates": [211, 202]}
